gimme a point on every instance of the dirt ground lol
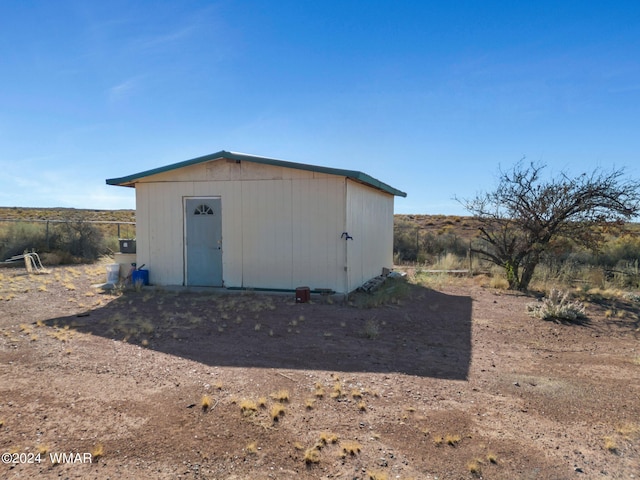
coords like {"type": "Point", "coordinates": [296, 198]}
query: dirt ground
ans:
{"type": "Point", "coordinates": [449, 382]}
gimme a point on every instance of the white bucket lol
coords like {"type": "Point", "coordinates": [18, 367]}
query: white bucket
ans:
{"type": "Point", "coordinates": [113, 273]}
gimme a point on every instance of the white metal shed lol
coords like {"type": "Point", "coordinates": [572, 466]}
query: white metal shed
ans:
{"type": "Point", "coordinates": [243, 221]}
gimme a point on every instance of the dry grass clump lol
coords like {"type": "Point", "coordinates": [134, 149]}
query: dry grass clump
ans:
{"type": "Point", "coordinates": [276, 412]}
{"type": "Point", "coordinates": [337, 390]}
{"type": "Point", "coordinates": [474, 467]}
{"type": "Point", "coordinates": [498, 282]}
{"type": "Point", "coordinates": [281, 396]}
{"type": "Point", "coordinates": [206, 402]}
{"type": "Point", "coordinates": [97, 451]}
{"type": "Point", "coordinates": [319, 390]}
{"type": "Point", "coordinates": [251, 448]}
{"type": "Point", "coordinates": [629, 431]}
{"type": "Point", "coordinates": [377, 475]}
{"type": "Point", "coordinates": [452, 440]}
{"type": "Point", "coordinates": [610, 445]}
{"type": "Point", "coordinates": [350, 447]}
{"type": "Point", "coordinates": [248, 407]}
{"type": "Point", "coordinates": [311, 456]}
{"type": "Point", "coordinates": [326, 438]}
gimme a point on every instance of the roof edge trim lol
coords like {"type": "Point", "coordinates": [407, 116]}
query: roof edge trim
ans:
{"type": "Point", "coordinates": [130, 180]}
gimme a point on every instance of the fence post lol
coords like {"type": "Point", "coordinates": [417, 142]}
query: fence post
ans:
{"type": "Point", "coordinates": [470, 260]}
{"type": "Point", "coordinates": [47, 235]}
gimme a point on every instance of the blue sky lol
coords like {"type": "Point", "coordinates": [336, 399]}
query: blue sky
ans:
{"type": "Point", "coordinates": [430, 97]}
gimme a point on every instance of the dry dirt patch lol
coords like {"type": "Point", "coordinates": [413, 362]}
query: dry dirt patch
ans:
{"type": "Point", "coordinates": [454, 383]}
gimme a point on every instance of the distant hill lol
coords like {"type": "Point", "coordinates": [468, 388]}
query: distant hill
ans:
{"type": "Point", "coordinates": [459, 226]}
{"type": "Point", "coordinates": [26, 214]}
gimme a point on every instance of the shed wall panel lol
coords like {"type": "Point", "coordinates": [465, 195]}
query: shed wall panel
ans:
{"type": "Point", "coordinates": [370, 223]}
{"type": "Point", "coordinates": [266, 235]}
{"type": "Point", "coordinates": [277, 233]}
{"type": "Point", "coordinates": [318, 213]}
{"type": "Point", "coordinates": [166, 227]}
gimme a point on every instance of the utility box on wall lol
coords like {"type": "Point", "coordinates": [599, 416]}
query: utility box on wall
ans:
{"type": "Point", "coordinates": [127, 245]}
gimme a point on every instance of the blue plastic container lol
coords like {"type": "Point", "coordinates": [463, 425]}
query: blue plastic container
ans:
{"type": "Point", "coordinates": [140, 276]}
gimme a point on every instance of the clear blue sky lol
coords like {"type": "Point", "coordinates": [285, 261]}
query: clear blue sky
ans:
{"type": "Point", "coordinates": [428, 96]}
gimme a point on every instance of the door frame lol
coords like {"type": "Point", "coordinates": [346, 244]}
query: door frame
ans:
{"type": "Point", "coordinates": [185, 216]}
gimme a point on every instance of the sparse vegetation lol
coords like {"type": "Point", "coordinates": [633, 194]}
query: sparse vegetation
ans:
{"type": "Point", "coordinates": [277, 411]}
{"type": "Point", "coordinates": [452, 440]}
{"type": "Point", "coordinates": [252, 448]}
{"type": "Point", "coordinates": [311, 456]}
{"type": "Point", "coordinates": [97, 451]}
{"type": "Point", "coordinates": [377, 475]}
{"type": "Point", "coordinates": [474, 467]}
{"type": "Point", "coordinates": [206, 402]}
{"type": "Point", "coordinates": [169, 323]}
{"type": "Point", "coordinates": [281, 396]}
{"type": "Point", "coordinates": [327, 438]}
{"type": "Point", "coordinates": [248, 407]}
{"type": "Point", "coordinates": [350, 448]}
{"type": "Point", "coordinates": [337, 390]}
{"type": "Point", "coordinates": [557, 306]}
{"type": "Point", "coordinates": [610, 445]}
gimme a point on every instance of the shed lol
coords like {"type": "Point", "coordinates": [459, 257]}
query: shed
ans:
{"type": "Point", "coordinates": [242, 221]}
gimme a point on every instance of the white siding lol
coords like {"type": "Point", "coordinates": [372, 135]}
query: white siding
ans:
{"type": "Point", "coordinates": [319, 217]}
{"type": "Point", "coordinates": [266, 236]}
{"type": "Point", "coordinates": [370, 223]}
{"type": "Point", "coordinates": [280, 227]}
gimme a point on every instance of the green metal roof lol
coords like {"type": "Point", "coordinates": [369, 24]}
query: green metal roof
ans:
{"type": "Point", "coordinates": [130, 180]}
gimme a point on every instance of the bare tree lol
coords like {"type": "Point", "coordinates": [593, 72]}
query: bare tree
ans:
{"type": "Point", "coordinates": [526, 213]}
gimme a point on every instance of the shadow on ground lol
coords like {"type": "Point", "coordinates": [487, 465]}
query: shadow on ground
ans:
{"type": "Point", "coordinates": [424, 333]}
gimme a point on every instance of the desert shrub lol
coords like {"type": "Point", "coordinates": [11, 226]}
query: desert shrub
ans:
{"type": "Point", "coordinates": [82, 239]}
{"type": "Point", "coordinates": [63, 242]}
{"type": "Point", "coordinates": [405, 243]}
{"type": "Point", "coordinates": [19, 237]}
{"type": "Point", "coordinates": [620, 251]}
{"type": "Point", "coordinates": [557, 306]}
{"type": "Point", "coordinates": [413, 244]}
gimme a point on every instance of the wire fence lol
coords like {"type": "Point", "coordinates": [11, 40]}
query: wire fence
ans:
{"type": "Point", "coordinates": [81, 238]}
